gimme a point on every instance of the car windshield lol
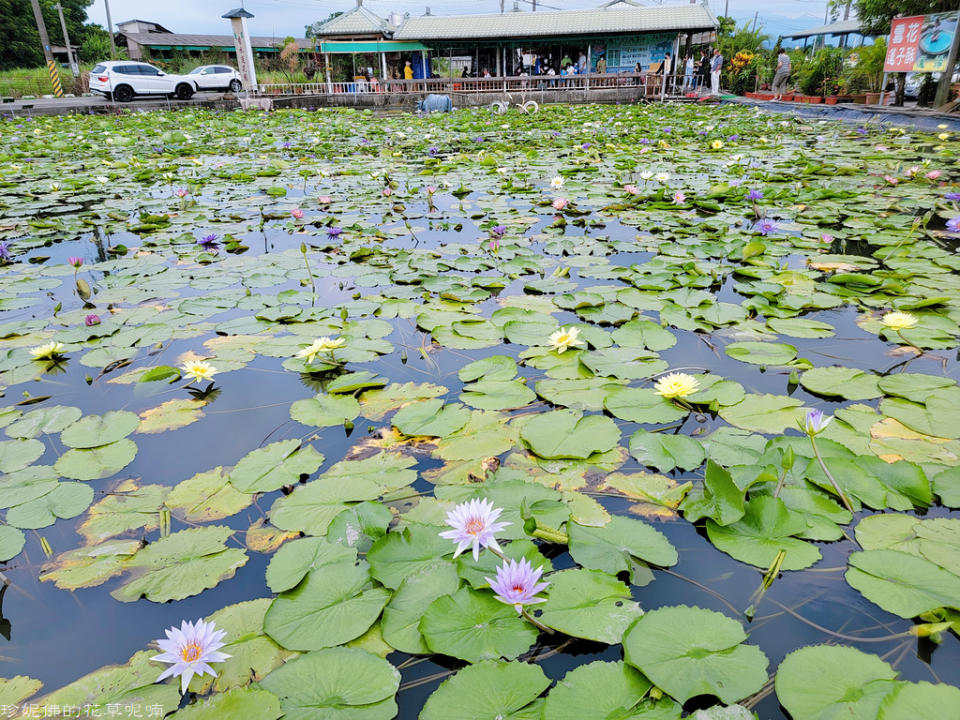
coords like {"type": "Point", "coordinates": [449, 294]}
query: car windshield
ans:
{"type": "Point", "coordinates": [197, 71]}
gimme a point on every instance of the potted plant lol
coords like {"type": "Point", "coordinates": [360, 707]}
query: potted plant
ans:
{"type": "Point", "coordinates": [863, 72]}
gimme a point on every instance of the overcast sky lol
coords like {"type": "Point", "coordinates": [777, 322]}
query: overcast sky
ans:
{"type": "Point", "coordinates": [288, 17]}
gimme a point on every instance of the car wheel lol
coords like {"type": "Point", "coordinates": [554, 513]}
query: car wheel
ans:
{"type": "Point", "coordinates": [124, 93]}
{"type": "Point", "coordinates": [184, 92]}
{"type": "Point", "coordinates": [235, 86]}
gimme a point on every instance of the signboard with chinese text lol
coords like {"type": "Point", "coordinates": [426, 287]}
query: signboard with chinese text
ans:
{"type": "Point", "coordinates": [921, 43]}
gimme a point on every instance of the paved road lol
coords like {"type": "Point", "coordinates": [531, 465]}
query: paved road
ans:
{"type": "Point", "coordinates": [99, 104]}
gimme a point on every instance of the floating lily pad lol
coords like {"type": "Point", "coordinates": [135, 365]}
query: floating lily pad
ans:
{"type": "Point", "coordinates": [96, 430]}
{"type": "Point", "coordinates": [569, 434]}
{"type": "Point", "coordinates": [589, 604]}
{"type": "Point", "coordinates": [486, 690]}
{"type": "Point", "coordinates": [689, 651]}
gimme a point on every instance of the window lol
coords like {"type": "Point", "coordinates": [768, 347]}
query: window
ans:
{"type": "Point", "coordinates": [126, 70]}
{"type": "Point", "coordinates": [198, 70]}
{"type": "Point", "coordinates": [148, 70]}
{"type": "Point", "coordinates": [223, 70]}
{"type": "Point", "coordinates": [98, 68]}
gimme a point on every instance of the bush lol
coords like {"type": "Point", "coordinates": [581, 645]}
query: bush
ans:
{"type": "Point", "coordinates": [821, 73]}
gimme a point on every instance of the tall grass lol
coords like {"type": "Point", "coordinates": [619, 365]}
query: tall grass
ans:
{"type": "Point", "coordinates": [36, 81]}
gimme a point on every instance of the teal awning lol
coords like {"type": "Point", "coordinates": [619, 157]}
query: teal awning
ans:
{"type": "Point", "coordinates": [370, 46]}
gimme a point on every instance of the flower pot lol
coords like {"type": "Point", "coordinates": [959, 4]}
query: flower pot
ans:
{"type": "Point", "coordinates": [872, 98]}
{"type": "Point", "coordinates": [831, 100]}
{"type": "Point", "coordinates": [859, 98]}
{"type": "Point", "coordinates": [814, 99]}
{"type": "Point", "coordinates": [788, 97]}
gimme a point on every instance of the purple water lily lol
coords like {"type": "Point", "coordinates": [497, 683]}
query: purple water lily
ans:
{"type": "Point", "coordinates": [433, 151]}
{"type": "Point", "coordinates": [75, 261]}
{"type": "Point", "coordinates": [4, 252]}
{"type": "Point", "coordinates": [207, 240]}
{"type": "Point", "coordinates": [765, 226]}
{"type": "Point", "coordinates": [91, 320]}
{"type": "Point", "coordinates": [333, 232]}
{"type": "Point", "coordinates": [586, 146]}
{"type": "Point", "coordinates": [755, 194]}
{"type": "Point", "coordinates": [954, 196]}
{"type": "Point", "coordinates": [517, 584]}
{"type": "Point", "coordinates": [498, 229]}
{"type": "Point", "coordinates": [953, 224]}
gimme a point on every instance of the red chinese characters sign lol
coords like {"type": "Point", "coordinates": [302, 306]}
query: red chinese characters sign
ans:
{"type": "Point", "coordinates": [903, 44]}
{"type": "Point", "coordinates": [921, 43]}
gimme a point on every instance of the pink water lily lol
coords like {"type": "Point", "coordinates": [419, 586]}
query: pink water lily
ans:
{"type": "Point", "coordinates": [560, 203]}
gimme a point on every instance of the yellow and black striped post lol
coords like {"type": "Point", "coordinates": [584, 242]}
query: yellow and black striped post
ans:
{"type": "Point", "coordinates": [55, 78]}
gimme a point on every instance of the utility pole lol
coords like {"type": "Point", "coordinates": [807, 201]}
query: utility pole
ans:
{"type": "Point", "coordinates": [726, 8]}
{"type": "Point", "coordinates": [113, 48]}
{"type": "Point", "coordinates": [66, 41]}
{"type": "Point", "coordinates": [755, 20]}
{"type": "Point", "coordinates": [47, 55]}
{"type": "Point", "coordinates": [534, 5]}
{"type": "Point", "coordinates": [501, 7]}
{"type": "Point", "coordinates": [846, 10]}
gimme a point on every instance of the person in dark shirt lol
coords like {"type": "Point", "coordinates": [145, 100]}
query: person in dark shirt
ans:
{"type": "Point", "coordinates": [704, 68]}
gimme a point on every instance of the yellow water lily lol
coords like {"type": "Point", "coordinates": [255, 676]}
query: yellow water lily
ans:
{"type": "Point", "coordinates": [677, 385]}
{"type": "Point", "coordinates": [564, 339]}
{"type": "Point", "coordinates": [899, 320]}
{"type": "Point", "coordinates": [47, 352]}
{"type": "Point", "coordinates": [198, 370]}
{"type": "Point", "coordinates": [716, 144]}
{"type": "Point", "coordinates": [321, 345]}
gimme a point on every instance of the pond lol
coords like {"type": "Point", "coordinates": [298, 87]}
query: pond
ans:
{"type": "Point", "coordinates": [253, 365]}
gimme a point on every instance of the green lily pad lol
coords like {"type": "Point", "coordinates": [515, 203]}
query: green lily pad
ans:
{"type": "Point", "coordinates": [274, 465]}
{"type": "Point", "coordinates": [689, 651]}
{"type": "Point", "coordinates": [96, 430]}
{"type": "Point", "coordinates": [97, 462]}
{"type": "Point", "coordinates": [42, 421]}
{"type": "Point", "coordinates": [569, 434]}
{"type": "Point", "coordinates": [12, 541]}
{"type": "Point", "coordinates": [207, 496]}
{"type": "Point", "coordinates": [399, 555]}
{"type": "Point", "coordinates": [401, 616]}
{"type": "Point", "coordinates": [766, 528]}
{"type": "Point", "coordinates": [180, 565]}
{"type": "Point", "coordinates": [235, 704]}
{"type": "Point", "coordinates": [607, 690]}
{"type": "Point", "coordinates": [330, 607]}
{"type": "Point", "coordinates": [431, 418]}
{"type": "Point", "coordinates": [642, 405]}
{"type": "Point", "coordinates": [325, 410]}
{"type": "Point", "coordinates": [497, 394]}
{"type": "Point", "coordinates": [486, 690]}
{"type": "Point", "coordinates": [833, 681]}
{"type": "Point", "coordinates": [67, 500]}
{"type": "Point", "coordinates": [17, 454]}
{"type": "Point", "coordinates": [666, 452]}
{"type": "Point", "coordinates": [589, 604]}
{"type": "Point", "coordinates": [848, 383]}
{"type": "Point", "coordinates": [475, 626]}
{"type": "Point", "coordinates": [624, 544]}
{"type": "Point", "coordinates": [761, 353]}
{"type": "Point", "coordinates": [769, 414]}
{"type": "Point", "coordinates": [335, 683]}
{"type": "Point", "coordinates": [291, 563]}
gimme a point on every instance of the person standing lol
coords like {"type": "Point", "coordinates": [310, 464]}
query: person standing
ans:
{"type": "Point", "coordinates": [602, 65]}
{"type": "Point", "coordinates": [581, 64]}
{"type": "Point", "coordinates": [716, 66]}
{"type": "Point", "coordinates": [781, 75]}
{"type": "Point", "coordinates": [408, 71]}
{"type": "Point", "coordinates": [704, 68]}
{"type": "Point", "coordinates": [688, 73]}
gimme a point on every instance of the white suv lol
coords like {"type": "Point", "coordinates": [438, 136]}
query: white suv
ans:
{"type": "Point", "coordinates": [122, 79]}
{"type": "Point", "coordinates": [216, 77]}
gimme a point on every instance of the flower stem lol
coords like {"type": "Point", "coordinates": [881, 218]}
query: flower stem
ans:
{"type": "Point", "coordinates": [830, 477]}
{"type": "Point", "coordinates": [533, 621]}
{"type": "Point", "coordinates": [910, 344]}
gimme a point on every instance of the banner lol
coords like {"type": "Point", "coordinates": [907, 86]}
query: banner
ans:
{"type": "Point", "coordinates": [921, 43]}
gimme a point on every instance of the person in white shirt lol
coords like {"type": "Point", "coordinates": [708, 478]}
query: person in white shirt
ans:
{"type": "Point", "coordinates": [716, 65]}
{"type": "Point", "coordinates": [781, 75]}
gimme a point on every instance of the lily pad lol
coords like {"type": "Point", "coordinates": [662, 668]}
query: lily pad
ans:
{"type": "Point", "coordinates": [486, 690]}
{"type": "Point", "coordinates": [689, 651]}
{"type": "Point", "coordinates": [96, 430]}
{"type": "Point", "coordinates": [569, 434]}
{"type": "Point", "coordinates": [589, 604]}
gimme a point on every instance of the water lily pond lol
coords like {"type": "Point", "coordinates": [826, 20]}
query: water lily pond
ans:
{"type": "Point", "coordinates": [603, 412]}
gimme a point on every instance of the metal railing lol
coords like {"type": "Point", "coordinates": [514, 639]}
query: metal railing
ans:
{"type": "Point", "coordinates": [653, 85]}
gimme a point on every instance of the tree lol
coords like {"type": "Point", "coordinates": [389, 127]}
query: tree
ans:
{"type": "Point", "coordinates": [19, 39]}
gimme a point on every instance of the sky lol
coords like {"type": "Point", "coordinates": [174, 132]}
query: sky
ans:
{"type": "Point", "coordinates": [288, 17]}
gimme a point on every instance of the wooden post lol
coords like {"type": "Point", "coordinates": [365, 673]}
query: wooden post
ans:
{"type": "Point", "coordinates": [326, 67]}
{"type": "Point", "coordinates": [883, 88]}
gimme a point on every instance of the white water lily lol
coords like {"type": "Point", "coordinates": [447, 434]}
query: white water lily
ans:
{"type": "Point", "coordinates": [557, 182]}
{"type": "Point", "coordinates": [190, 649]}
{"type": "Point", "coordinates": [474, 524]}
{"type": "Point", "coordinates": [47, 352]}
{"type": "Point", "coordinates": [198, 370]}
{"type": "Point", "coordinates": [321, 345]}
{"type": "Point", "coordinates": [564, 339]}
